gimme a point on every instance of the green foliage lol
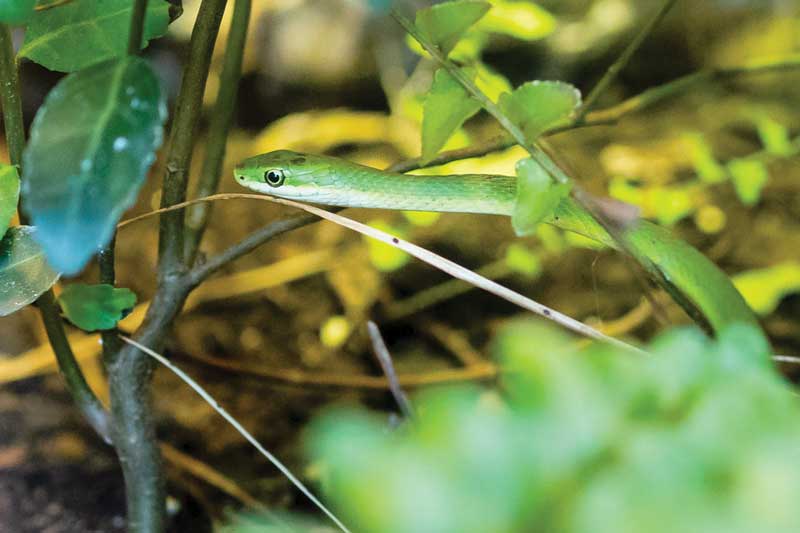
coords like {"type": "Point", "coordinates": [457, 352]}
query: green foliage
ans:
{"type": "Point", "coordinates": [699, 437]}
{"type": "Point", "coordinates": [521, 20]}
{"type": "Point", "coordinates": [445, 23]}
{"type": "Point", "coordinates": [94, 307]}
{"type": "Point", "coordinates": [91, 145]}
{"type": "Point", "coordinates": [16, 11]}
{"type": "Point", "coordinates": [774, 136]}
{"type": "Point", "coordinates": [81, 33]}
{"type": "Point", "coordinates": [385, 257]}
{"type": "Point", "coordinates": [446, 108]}
{"type": "Point", "coordinates": [9, 195]}
{"type": "Point", "coordinates": [24, 273]}
{"type": "Point", "coordinates": [538, 106]}
{"type": "Point", "coordinates": [522, 260]}
{"type": "Point", "coordinates": [537, 196]}
{"type": "Point", "coordinates": [766, 287]}
{"type": "Point", "coordinates": [749, 177]}
{"type": "Point", "coordinates": [705, 164]}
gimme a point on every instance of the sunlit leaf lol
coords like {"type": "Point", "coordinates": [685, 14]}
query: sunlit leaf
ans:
{"type": "Point", "coordinates": [763, 289]}
{"type": "Point", "coordinates": [774, 136]}
{"type": "Point", "coordinates": [749, 177]}
{"type": "Point", "coordinates": [671, 204]}
{"type": "Point", "coordinates": [422, 218]}
{"type": "Point", "coordinates": [702, 157]}
{"type": "Point", "coordinates": [522, 20]}
{"type": "Point", "coordinates": [335, 331]}
{"type": "Point", "coordinates": [94, 307]}
{"type": "Point", "coordinates": [445, 23]}
{"type": "Point", "coordinates": [385, 257]}
{"type": "Point", "coordinates": [91, 145]}
{"type": "Point", "coordinates": [710, 219]}
{"type": "Point", "coordinates": [9, 195]}
{"type": "Point", "coordinates": [491, 82]}
{"type": "Point", "coordinates": [537, 196]}
{"type": "Point", "coordinates": [80, 33]}
{"type": "Point", "coordinates": [538, 106]}
{"type": "Point", "coordinates": [16, 11]}
{"type": "Point", "coordinates": [522, 260]}
{"type": "Point", "coordinates": [446, 108]}
{"type": "Point", "coordinates": [24, 272]}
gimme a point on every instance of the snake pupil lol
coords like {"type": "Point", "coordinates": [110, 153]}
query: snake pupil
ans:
{"type": "Point", "coordinates": [274, 177]}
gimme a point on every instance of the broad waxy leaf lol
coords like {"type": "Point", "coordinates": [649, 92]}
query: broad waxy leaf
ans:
{"type": "Point", "coordinates": [9, 195]}
{"type": "Point", "coordinates": [445, 23]}
{"type": "Point", "coordinates": [537, 196]}
{"type": "Point", "coordinates": [16, 11]}
{"type": "Point", "coordinates": [93, 307]}
{"type": "Point", "coordinates": [537, 106]}
{"type": "Point", "coordinates": [446, 108]}
{"type": "Point", "coordinates": [24, 272]}
{"type": "Point", "coordinates": [81, 33]}
{"type": "Point", "coordinates": [91, 144]}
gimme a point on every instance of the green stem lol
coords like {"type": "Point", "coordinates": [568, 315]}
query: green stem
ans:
{"type": "Point", "coordinates": [622, 60]}
{"type": "Point", "coordinates": [197, 216]}
{"type": "Point", "coordinates": [182, 137]}
{"type": "Point", "coordinates": [84, 397]}
{"type": "Point", "coordinates": [137, 27]}
{"type": "Point", "coordinates": [10, 94]}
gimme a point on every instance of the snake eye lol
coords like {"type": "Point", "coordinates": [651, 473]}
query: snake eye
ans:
{"type": "Point", "coordinates": [274, 177]}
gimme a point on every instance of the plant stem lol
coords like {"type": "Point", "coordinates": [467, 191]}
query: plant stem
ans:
{"type": "Point", "coordinates": [197, 216]}
{"type": "Point", "coordinates": [137, 27]}
{"type": "Point", "coordinates": [615, 68]}
{"type": "Point", "coordinates": [182, 137]}
{"type": "Point", "coordinates": [12, 104]}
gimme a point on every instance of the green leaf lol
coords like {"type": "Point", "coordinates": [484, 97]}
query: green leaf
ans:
{"type": "Point", "coordinates": [522, 260]}
{"type": "Point", "coordinates": [749, 177]}
{"type": "Point", "coordinates": [385, 257]}
{"type": "Point", "coordinates": [705, 164]}
{"type": "Point", "coordinates": [93, 307]}
{"type": "Point", "coordinates": [16, 12]}
{"type": "Point", "coordinates": [774, 136]}
{"type": "Point", "coordinates": [9, 195]}
{"type": "Point", "coordinates": [91, 145]}
{"type": "Point", "coordinates": [537, 196]}
{"type": "Point", "coordinates": [537, 106]}
{"type": "Point", "coordinates": [81, 33]}
{"type": "Point", "coordinates": [763, 289]}
{"type": "Point", "coordinates": [24, 272]}
{"type": "Point", "coordinates": [445, 23]}
{"type": "Point", "coordinates": [522, 20]}
{"type": "Point", "coordinates": [446, 108]}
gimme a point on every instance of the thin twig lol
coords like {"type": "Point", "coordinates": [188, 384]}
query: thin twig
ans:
{"type": "Point", "coordinates": [621, 61]}
{"type": "Point", "coordinates": [385, 360]}
{"type": "Point", "coordinates": [220, 124]}
{"type": "Point", "coordinates": [242, 431]}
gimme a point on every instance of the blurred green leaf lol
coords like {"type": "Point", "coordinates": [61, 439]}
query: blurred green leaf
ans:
{"type": "Point", "coordinates": [422, 218]}
{"type": "Point", "coordinates": [9, 195]}
{"type": "Point", "coordinates": [774, 136]}
{"type": "Point", "coordinates": [749, 177]}
{"type": "Point", "coordinates": [16, 12]}
{"type": "Point", "coordinates": [94, 307]}
{"type": "Point", "coordinates": [578, 440]}
{"type": "Point", "coordinates": [764, 288]}
{"type": "Point", "coordinates": [702, 157]}
{"type": "Point", "coordinates": [671, 204]}
{"type": "Point", "coordinates": [445, 23]}
{"type": "Point", "coordinates": [522, 20]}
{"type": "Point", "coordinates": [80, 33]}
{"type": "Point", "coordinates": [446, 108]}
{"type": "Point", "coordinates": [91, 144]}
{"type": "Point", "coordinates": [537, 196]}
{"type": "Point", "coordinates": [538, 106]}
{"type": "Point", "coordinates": [24, 272]}
{"type": "Point", "coordinates": [490, 82]}
{"type": "Point", "coordinates": [522, 260]}
{"type": "Point", "coordinates": [385, 257]}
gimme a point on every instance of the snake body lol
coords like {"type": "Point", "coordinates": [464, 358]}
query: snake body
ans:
{"type": "Point", "coordinates": [696, 283]}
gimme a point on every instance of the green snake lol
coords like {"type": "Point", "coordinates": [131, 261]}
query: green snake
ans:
{"type": "Point", "coordinates": [696, 283]}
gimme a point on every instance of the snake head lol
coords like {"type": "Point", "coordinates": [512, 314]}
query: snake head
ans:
{"type": "Point", "coordinates": [281, 173]}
